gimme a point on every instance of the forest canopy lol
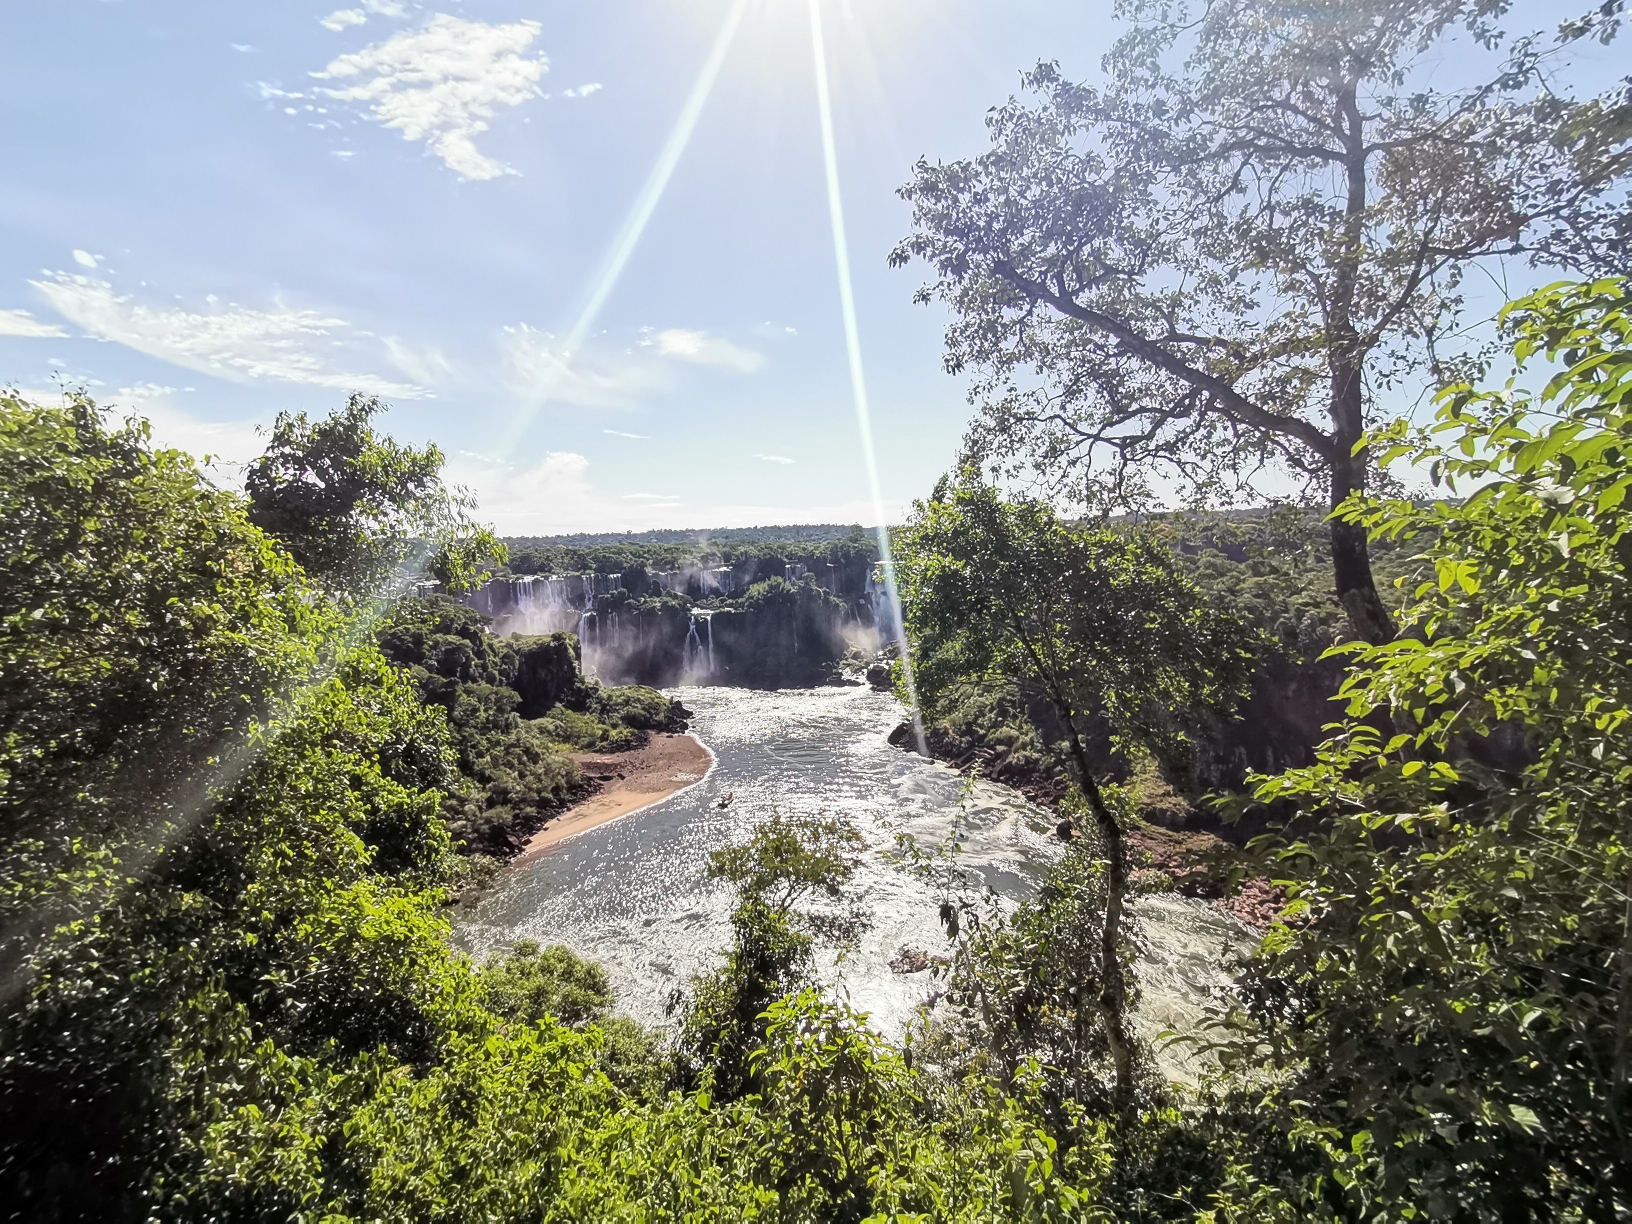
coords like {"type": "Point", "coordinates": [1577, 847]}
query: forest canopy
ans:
{"type": "Point", "coordinates": [229, 988]}
{"type": "Point", "coordinates": [250, 769]}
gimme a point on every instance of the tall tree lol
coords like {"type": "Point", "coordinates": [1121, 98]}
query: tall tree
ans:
{"type": "Point", "coordinates": [1210, 266]}
{"type": "Point", "coordinates": [1100, 625]}
{"type": "Point", "coordinates": [350, 504]}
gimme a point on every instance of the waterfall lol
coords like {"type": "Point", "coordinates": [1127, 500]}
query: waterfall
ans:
{"type": "Point", "coordinates": [694, 645]}
{"type": "Point", "coordinates": [711, 645]}
{"type": "Point", "coordinates": [885, 617]}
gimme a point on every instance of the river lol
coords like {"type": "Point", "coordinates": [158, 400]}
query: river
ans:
{"type": "Point", "coordinates": [634, 894]}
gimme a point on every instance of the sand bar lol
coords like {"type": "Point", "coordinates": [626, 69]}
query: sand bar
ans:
{"type": "Point", "coordinates": [629, 782]}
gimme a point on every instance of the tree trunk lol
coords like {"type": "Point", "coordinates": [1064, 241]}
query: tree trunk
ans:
{"type": "Point", "coordinates": [1351, 555]}
{"type": "Point", "coordinates": [1113, 995]}
{"type": "Point", "coordinates": [1351, 559]}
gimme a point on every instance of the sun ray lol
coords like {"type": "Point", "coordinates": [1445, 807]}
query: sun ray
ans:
{"type": "Point", "coordinates": [852, 344]}
{"type": "Point", "coordinates": [634, 225]}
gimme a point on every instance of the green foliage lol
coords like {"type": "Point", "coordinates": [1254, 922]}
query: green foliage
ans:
{"type": "Point", "coordinates": [147, 628]}
{"type": "Point", "coordinates": [1101, 626]}
{"type": "Point", "coordinates": [513, 706]}
{"type": "Point", "coordinates": [529, 983]}
{"type": "Point", "coordinates": [789, 858]}
{"type": "Point", "coordinates": [229, 993]}
{"type": "Point", "coordinates": [748, 550]}
{"type": "Point", "coordinates": [442, 637]}
{"type": "Point", "coordinates": [844, 1132]}
{"type": "Point", "coordinates": [1101, 623]}
{"type": "Point", "coordinates": [637, 708]}
{"type": "Point", "coordinates": [1448, 996]}
{"type": "Point", "coordinates": [464, 562]}
{"type": "Point", "coordinates": [233, 995]}
{"type": "Point", "coordinates": [1025, 986]}
{"type": "Point", "coordinates": [786, 861]}
{"type": "Point", "coordinates": [285, 924]}
{"type": "Point", "coordinates": [351, 506]}
{"type": "Point", "coordinates": [1194, 270]}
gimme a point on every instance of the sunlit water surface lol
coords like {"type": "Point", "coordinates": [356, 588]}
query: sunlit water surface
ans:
{"type": "Point", "coordinates": [634, 894]}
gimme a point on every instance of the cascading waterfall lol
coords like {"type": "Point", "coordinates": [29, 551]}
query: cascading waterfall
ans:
{"type": "Point", "coordinates": [694, 646]}
{"type": "Point", "coordinates": [755, 646]}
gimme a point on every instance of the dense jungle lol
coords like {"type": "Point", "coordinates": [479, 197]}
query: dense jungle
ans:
{"type": "Point", "coordinates": [265, 746]}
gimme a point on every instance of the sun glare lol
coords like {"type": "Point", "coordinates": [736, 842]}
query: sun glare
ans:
{"type": "Point", "coordinates": [634, 226]}
{"type": "Point", "coordinates": [852, 344]}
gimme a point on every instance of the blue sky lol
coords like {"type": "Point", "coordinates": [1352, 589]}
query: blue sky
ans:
{"type": "Point", "coordinates": [213, 211]}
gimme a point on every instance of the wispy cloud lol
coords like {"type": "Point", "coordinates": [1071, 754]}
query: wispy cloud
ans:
{"type": "Point", "coordinates": [701, 348]}
{"type": "Point", "coordinates": [21, 323]}
{"type": "Point", "coordinates": [341, 18]}
{"type": "Point", "coordinates": [774, 458]}
{"type": "Point", "coordinates": [442, 83]}
{"type": "Point", "coordinates": [539, 373]}
{"type": "Point", "coordinates": [558, 493]}
{"type": "Point", "coordinates": [424, 364]}
{"type": "Point", "coordinates": [294, 346]}
{"type": "Point", "coordinates": [583, 91]}
{"type": "Point", "coordinates": [85, 259]}
{"type": "Point", "coordinates": [618, 433]}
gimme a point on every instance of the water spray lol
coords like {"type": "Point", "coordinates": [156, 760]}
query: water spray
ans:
{"type": "Point", "coordinates": [858, 376]}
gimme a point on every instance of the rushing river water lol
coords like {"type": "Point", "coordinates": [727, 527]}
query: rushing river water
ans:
{"type": "Point", "coordinates": [634, 894]}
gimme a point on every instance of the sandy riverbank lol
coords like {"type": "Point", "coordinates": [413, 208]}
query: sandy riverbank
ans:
{"type": "Point", "coordinates": [629, 781]}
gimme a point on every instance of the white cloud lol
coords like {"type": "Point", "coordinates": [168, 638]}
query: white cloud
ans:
{"type": "Point", "coordinates": [583, 91]}
{"type": "Point", "coordinates": [84, 259]}
{"type": "Point", "coordinates": [441, 84]}
{"type": "Point", "coordinates": [538, 373]}
{"type": "Point", "coordinates": [618, 433]}
{"type": "Point", "coordinates": [45, 397]}
{"type": "Point", "coordinates": [232, 443]}
{"type": "Point", "coordinates": [774, 458]}
{"type": "Point", "coordinates": [557, 494]}
{"type": "Point", "coordinates": [341, 18]}
{"type": "Point", "coordinates": [704, 349]}
{"type": "Point", "coordinates": [294, 346]}
{"type": "Point", "coordinates": [21, 323]}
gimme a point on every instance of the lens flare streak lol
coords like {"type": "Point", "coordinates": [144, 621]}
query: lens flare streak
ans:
{"type": "Point", "coordinates": [639, 217]}
{"type": "Point", "coordinates": [852, 344]}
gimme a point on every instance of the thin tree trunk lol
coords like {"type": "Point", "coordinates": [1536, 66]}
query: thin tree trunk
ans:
{"type": "Point", "coordinates": [1113, 995]}
{"type": "Point", "coordinates": [1351, 555]}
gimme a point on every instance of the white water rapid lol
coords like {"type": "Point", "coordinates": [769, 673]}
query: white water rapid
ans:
{"type": "Point", "coordinates": [634, 895]}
